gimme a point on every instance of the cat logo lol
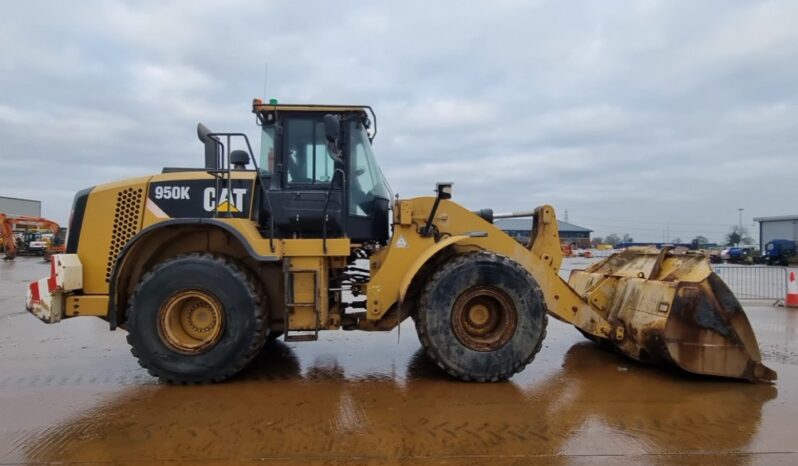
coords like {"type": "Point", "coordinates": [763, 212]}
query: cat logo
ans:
{"type": "Point", "coordinates": [229, 200]}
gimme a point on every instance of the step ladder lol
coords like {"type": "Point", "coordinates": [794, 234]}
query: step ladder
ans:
{"type": "Point", "coordinates": [292, 306]}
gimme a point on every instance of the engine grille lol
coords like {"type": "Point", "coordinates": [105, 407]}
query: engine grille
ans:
{"type": "Point", "coordinates": [126, 224]}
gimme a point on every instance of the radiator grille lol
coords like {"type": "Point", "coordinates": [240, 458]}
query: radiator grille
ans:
{"type": "Point", "coordinates": [126, 224]}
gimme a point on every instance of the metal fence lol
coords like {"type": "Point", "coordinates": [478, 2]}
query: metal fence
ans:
{"type": "Point", "coordinates": [745, 281]}
{"type": "Point", "coordinates": [754, 281]}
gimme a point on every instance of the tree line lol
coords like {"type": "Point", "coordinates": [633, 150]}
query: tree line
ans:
{"type": "Point", "coordinates": [736, 236]}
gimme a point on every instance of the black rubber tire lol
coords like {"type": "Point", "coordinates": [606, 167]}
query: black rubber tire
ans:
{"type": "Point", "coordinates": [243, 335]}
{"type": "Point", "coordinates": [434, 317]}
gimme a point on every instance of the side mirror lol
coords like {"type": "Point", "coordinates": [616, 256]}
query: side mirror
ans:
{"type": "Point", "coordinates": [332, 128]}
{"type": "Point", "coordinates": [211, 146]}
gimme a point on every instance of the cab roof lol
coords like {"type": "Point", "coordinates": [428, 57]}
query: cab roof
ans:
{"type": "Point", "coordinates": [259, 106]}
{"type": "Point", "coordinates": [271, 108]}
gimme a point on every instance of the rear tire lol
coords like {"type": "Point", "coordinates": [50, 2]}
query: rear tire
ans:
{"type": "Point", "coordinates": [196, 318]}
{"type": "Point", "coordinates": [481, 317]}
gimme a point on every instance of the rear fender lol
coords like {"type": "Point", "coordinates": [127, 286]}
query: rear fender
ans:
{"type": "Point", "coordinates": [148, 241]}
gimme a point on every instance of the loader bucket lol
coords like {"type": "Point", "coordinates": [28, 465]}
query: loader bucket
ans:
{"type": "Point", "coordinates": [670, 307]}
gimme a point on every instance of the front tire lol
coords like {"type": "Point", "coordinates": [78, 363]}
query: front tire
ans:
{"type": "Point", "coordinates": [481, 317]}
{"type": "Point", "coordinates": [196, 318]}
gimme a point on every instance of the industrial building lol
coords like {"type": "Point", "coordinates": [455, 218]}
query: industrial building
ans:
{"type": "Point", "coordinates": [780, 227]}
{"type": "Point", "coordinates": [13, 206]}
{"type": "Point", "coordinates": [519, 228]}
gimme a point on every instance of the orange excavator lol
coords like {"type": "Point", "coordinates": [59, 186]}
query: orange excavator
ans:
{"type": "Point", "coordinates": [7, 225]}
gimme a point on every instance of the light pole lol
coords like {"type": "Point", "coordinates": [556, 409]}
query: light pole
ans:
{"type": "Point", "coordinates": [740, 231]}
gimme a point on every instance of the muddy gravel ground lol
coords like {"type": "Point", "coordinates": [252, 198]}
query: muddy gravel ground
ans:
{"type": "Point", "coordinates": [72, 393]}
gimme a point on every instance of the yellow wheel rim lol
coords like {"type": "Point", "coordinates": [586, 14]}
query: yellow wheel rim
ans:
{"type": "Point", "coordinates": [191, 322]}
{"type": "Point", "coordinates": [484, 318]}
{"type": "Point", "coordinates": [479, 314]}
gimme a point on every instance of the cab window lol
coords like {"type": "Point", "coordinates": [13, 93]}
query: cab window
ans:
{"type": "Point", "coordinates": [267, 149]}
{"type": "Point", "coordinates": [366, 181]}
{"type": "Point", "coordinates": [307, 159]}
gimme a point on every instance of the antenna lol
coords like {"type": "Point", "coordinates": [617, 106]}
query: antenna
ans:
{"type": "Point", "coordinates": [265, 79]}
{"type": "Point", "coordinates": [566, 215]}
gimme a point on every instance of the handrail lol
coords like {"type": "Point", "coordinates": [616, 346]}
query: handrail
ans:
{"type": "Point", "coordinates": [226, 170]}
{"type": "Point", "coordinates": [327, 204]}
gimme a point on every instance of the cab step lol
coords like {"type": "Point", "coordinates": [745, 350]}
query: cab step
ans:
{"type": "Point", "coordinates": [301, 337]}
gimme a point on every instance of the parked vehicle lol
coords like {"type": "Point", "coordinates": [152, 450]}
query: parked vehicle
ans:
{"type": "Point", "coordinates": [203, 265]}
{"type": "Point", "coordinates": [745, 255]}
{"type": "Point", "coordinates": [31, 240]}
{"type": "Point", "coordinates": [781, 252]}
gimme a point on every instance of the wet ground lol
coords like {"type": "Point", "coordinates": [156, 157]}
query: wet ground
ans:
{"type": "Point", "coordinates": [72, 393]}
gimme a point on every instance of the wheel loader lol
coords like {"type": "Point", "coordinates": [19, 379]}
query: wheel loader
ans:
{"type": "Point", "coordinates": [203, 265]}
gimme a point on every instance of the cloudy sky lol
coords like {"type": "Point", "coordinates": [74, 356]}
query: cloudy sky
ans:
{"type": "Point", "coordinates": [636, 117]}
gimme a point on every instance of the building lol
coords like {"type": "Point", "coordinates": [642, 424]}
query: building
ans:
{"type": "Point", "coordinates": [520, 228]}
{"type": "Point", "coordinates": [782, 227]}
{"type": "Point", "coordinates": [13, 206]}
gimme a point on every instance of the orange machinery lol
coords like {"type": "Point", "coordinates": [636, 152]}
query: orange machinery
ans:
{"type": "Point", "coordinates": [7, 225]}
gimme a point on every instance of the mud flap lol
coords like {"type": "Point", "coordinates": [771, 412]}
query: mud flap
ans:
{"type": "Point", "coordinates": [671, 308]}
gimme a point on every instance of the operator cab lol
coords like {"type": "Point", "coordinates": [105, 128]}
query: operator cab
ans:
{"type": "Point", "coordinates": [321, 176]}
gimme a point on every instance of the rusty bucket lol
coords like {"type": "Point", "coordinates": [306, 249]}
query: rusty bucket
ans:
{"type": "Point", "coordinates": [670, 307]}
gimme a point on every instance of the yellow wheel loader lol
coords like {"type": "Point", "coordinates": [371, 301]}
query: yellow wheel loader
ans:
{"type": "Point", "coordinates": [202, 265]}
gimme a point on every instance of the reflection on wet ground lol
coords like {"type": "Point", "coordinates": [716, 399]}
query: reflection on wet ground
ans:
{"type": "Point", "coordinates": [73, 393]}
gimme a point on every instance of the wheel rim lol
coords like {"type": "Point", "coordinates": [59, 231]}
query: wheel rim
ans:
{"type": "Point", "coordinates": [484, 318]}
{"type": "Point", "coordinates": [191, 322]}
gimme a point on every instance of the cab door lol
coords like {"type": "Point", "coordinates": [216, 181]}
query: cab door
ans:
{"type": "Point", "coordinates": [307, 174]}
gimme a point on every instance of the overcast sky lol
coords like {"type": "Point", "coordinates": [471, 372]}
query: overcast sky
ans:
{"type": "Point", "coordinates": [634, 116]}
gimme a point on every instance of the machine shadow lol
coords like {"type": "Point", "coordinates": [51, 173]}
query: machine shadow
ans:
{"type": "Point", "coordinates": [278, 409]}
